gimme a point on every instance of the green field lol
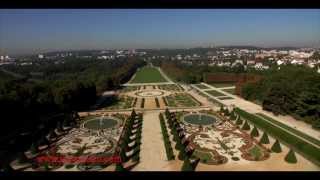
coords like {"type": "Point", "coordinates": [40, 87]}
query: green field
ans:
{"type": "Point", "coordinates": [215, 93]}
{"type": "Point", "coordinates": [148, 75]}
{"type": "Point", "coordinates": [308, 150]}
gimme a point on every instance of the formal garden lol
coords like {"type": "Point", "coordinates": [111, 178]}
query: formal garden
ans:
{"type": "Point", "coordinates": [96, 137]}
{"type": "Point", "coordinates": [181, 100]}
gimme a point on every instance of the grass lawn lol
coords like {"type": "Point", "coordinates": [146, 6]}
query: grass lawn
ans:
{"type": "Point", "coordinates": [201, 86]}
{"type": "Point", "coordinates": [221, 85]}
{"type": "Point", "coordinates": [181, 100]}
{"type": "Point", "coordinates": [231, 91]}
{"type": "Point", "coordinates": [298, 133]}
{"type": "Point", "coordinates": [215, 93]}
{"type": "Point", "coordinates": [148, 75]}
{"type": "Point", "coordinates": [308, 150]}
{"type": "Point", "coordinates": [170, 87]}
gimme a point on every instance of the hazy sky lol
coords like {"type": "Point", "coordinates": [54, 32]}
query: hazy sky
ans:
{"type": "Point", "coordinates": [33, 31]}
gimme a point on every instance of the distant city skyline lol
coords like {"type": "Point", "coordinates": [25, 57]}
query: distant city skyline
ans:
{"type": "Point", "coordinates": [36, 31]}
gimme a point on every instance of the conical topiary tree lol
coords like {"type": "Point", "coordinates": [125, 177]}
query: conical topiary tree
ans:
{"type": "Point", "coordinates": [246, 126]}
{"type": "Point", "coordinates": [276, 147]}
{"type": "Point", "coordinates": [187, 166]}
{"type": "Point", "coordinates": [221, 108]}
{"type": "Point", "coordinates": [233, 115]}
{"type": "Point", "coordinates": [264, 139]}
{"type": "Point", "coordinates": [239, 121]}
{"type": "Point", "coordinates": [254, 132]}
{"type": "Point", "coordinates": [119, 167]}
{"type": "Point", "coordinates": [34, 148]}
{"type": "Point", "coordinates": [226, 112]}
{"type": "Point", "coordinates": [291, 157]}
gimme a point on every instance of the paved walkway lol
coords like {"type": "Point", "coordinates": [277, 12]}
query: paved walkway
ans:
{"type": "Point", "coordinates": [153, 154]}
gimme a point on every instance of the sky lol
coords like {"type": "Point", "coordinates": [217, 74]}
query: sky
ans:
{"type": "Point", "coordinates": [41, 30]}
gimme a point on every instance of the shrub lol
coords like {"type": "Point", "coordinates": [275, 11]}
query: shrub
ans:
{"type": "Point", "coordinates": [264, 139]}
{"type": "Point", "coordinates": [245, 126]}
{"type": "Point", "coordinates": [291, 157]}
{"type": "Point", "coordinates": [119, 167]}
{"type": "Point", "coordinates": [69, 166]}
{"type": "Point", "coordinates": [276, 147]}
{"type": "Point", "coordinates": [239, 121]}
{"type": "Point", "coordinates": [254, 132]}
{"type": "Point", "coordinates": [187, 165]}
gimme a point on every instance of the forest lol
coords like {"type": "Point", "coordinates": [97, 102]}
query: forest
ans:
{"type": "Point", "coordinates": [293, 90]}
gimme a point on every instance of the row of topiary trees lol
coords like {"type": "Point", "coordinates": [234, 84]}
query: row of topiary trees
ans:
{"type": "Point", "coordinates": [128, 147]}
{"type": "Point", "coordinates": [182, 143]}
{"type": "Point", "coordinates": [276, 147]}
{"type": "Point", "coordinates": [166, 139]}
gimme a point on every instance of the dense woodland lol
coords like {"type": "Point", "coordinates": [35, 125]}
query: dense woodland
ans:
{"type": "Point", "coordinates": [293, 90]}
{"type": "Point", "coordinates": [39, 97]}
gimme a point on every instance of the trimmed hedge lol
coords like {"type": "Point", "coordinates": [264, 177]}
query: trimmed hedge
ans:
{"type": "Point", "coordinates": [142, 103]}
{"type": "Point", "coordinates": [157, 102]}
{"type": "Point", "coordinates": [167, 143]}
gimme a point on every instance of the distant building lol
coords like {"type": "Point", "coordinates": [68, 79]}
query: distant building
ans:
{"type": "Point", "coordinates": [40, 56]}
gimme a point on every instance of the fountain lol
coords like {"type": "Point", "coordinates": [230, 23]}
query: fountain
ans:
{"type": "Point", "coordinates": [101, 122]}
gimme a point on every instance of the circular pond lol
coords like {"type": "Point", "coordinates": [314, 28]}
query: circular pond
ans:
{"type": "Point", "coordinates": [100, 123]}
{"type": "Point", "coordinates": [199, 119]}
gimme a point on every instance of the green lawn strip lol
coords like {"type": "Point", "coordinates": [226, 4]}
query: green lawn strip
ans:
{"type": "Point", "coordinates": [215, 93]}
{"type": "Point", "coordinates": [298, 133]}
{"type": "Point", "coordinates": [309, 151]}
{"type": "Point", "coordinates": [231, 91]}
{"type": "Point", "coordinates": [201, 86]}
{"type": "Point", "coordinates": [221, 85]}
{"type": "Point", "coordinates": [223, 98]}
{"type": "Point", "coordinates": [148, 75]}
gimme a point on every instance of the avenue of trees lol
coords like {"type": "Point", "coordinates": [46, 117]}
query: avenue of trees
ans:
{"type": "Point", "coordinates": [35, 105]}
